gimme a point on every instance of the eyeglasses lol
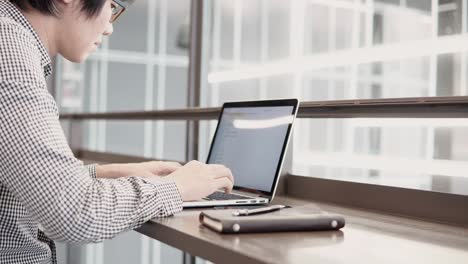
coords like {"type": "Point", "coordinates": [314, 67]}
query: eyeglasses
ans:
{"type": "Point", "coordinates": [117, 9]}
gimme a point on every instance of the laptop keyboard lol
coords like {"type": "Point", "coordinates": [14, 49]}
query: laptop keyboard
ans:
{"type": "Point", "coordinates": [225, 196]}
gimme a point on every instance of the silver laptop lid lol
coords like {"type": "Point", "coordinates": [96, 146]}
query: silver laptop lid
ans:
{"type": "Point", "coordinates": [251, 139]}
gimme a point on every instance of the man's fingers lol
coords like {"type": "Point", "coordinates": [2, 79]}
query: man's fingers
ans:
{"type": "Point", "coordinates": [222, 171]}
{"type": "Point", "coordinates": [230, 176]}
{"type": "Point", "coordinates": [224, 183]}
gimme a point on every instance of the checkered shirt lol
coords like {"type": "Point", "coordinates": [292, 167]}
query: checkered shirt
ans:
{"type": "Point", "coordinates": [47, 194]}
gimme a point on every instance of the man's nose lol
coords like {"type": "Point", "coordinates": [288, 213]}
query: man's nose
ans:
{"type": "Point", "coordinates": [109, 30]}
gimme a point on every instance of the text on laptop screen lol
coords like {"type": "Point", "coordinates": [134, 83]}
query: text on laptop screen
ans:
{"type": "Point", "coordinates": [249, 141]}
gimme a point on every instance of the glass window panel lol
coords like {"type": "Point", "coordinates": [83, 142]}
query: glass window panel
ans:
{"type": "Point", "coordinates": [345, 38]}
{"type": "Point", "coordinates": [423, 5]}
{"type": "Point", "coordinates": [450, 16]}
{"type": "Point", "coordinates": [448, 72]}
{"type": "Point", "coordinates": [178, 16]}
{"type": "Point", "coordinates": [125, 137]}
{"type": "Point", "coordinates": [91, 80]}
{"type": "Point", "coordinates": [278, 17]}
{"type": "Point", "coordinates": [362, 31]}
{"type": "Point", "coordinates": [174, 140]}
{"type": "Point", "coordinates": [125, 81]}
{"type": "Point", "coordinates": [317, 24]}
{"type": "Point", "coordinates": [275, 87]}
{"type": "Point", "coordinates": [389, 2]}
{"type": "Point", "coordinates": [238, 91]}
{"type": "Point", "coordinates": [175, 88]}
{"type": "Point", "coordinates": [131, 242]}
{"type": "Point", "coordinates": [426, 154]}
{"type": "Point", "coordinates": [89, 135]}
{"type": "Point", "coordinates": [158, 139]}
{"type": "Point", "coordinates": [169, 254]}
{"type": "Point", "coordinates": [251, 29]}
{"type": "Point", "coordinates": [226, 32]}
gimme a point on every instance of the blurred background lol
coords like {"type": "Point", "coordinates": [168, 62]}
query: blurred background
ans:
{"type": "Point", "coordinates": [314, 50]}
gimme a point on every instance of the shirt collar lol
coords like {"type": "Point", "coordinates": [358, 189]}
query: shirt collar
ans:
{"type": "Point", "coordinates": [15, 13]}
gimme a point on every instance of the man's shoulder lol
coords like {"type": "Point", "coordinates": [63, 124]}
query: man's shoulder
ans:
{"type": "Point", "coordinates": [20, 59]}
{"type": "Point", "coordinates": [12, 22]}
{"type": "Point", "coordinates": [12, 28]}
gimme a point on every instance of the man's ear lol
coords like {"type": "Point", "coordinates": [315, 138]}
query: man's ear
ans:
{"type": "Point", "coordinates": [66, 1]}
{"type": "Point", "coordinates": [66, 5]}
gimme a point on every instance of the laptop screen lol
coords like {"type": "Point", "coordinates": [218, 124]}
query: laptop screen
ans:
{"type": "Point", "coordinates": [251, 141]}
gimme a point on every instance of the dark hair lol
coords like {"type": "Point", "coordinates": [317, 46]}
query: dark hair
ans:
{"type": "Point", "coordinates": [49, 7]}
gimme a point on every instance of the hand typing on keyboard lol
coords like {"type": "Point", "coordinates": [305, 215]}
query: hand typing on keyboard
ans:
{"type": "Point", "coordinates": [196, 180]}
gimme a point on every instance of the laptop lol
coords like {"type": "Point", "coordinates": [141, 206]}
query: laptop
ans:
{"type": "Point", "coordinates": [251, 139]}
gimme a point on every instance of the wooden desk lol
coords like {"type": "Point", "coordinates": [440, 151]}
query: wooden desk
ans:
{"type": "Point", "coordinates": [367, 238]}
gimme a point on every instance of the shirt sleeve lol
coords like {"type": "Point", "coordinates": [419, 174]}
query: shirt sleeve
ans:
{"type": "Point", "coordinates": [92, 170]}
{"type": "Point", "coordinates": [62, 194]}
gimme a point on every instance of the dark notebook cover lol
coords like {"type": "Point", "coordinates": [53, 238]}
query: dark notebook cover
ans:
{"type": "Point", "coordinates": [303, 218]}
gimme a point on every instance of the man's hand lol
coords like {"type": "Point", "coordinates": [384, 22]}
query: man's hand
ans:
{"type": "Point", "coordinates": [196, 180]}
{"type": "Point", "coordinates": [143, 169]}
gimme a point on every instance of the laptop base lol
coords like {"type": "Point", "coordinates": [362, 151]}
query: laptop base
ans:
{"type": "Point", "coordinates": [205, 203]}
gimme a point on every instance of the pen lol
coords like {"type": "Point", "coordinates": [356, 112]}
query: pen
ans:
{"type": "Point", "coordinates": [245, 212]}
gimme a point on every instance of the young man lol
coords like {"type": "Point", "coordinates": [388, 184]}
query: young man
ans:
{"type": "Point", "coordinates": [47, 194]}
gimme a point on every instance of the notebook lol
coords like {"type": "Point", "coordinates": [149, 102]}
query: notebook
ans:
{"type": "Point", "coordinates": [302, 218]}
{"type": "Point", "coordinates": [251, 139]}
